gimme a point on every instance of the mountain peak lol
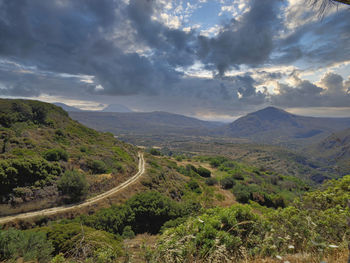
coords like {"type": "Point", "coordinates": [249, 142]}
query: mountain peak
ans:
{"type": "Point", "coordinates": [271, 113]}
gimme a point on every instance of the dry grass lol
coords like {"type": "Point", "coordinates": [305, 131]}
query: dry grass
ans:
{"type": "Point", "coordinates": [335, 257]}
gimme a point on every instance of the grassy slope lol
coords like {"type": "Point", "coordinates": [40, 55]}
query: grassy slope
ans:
{"type": "Point", "coordinates": [30, 128]}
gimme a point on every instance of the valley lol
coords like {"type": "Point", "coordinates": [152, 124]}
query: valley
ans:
{"type": "Point", "coordinates": [150, 202]}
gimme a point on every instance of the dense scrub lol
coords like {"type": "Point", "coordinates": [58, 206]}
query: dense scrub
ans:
{"type": "Point", "coordinates": [249, 183]}
{"type": "Point", "coordinates": [145, 212]}
{"type": "Point", "coordinates": [315, 224]}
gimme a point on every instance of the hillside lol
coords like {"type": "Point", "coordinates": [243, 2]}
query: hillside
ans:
{"type": "Point", "coordinates": [47, 158]}
{"type": "Point", "coordinates": [275, 126]}
{"type": "Point", "coordinates": [145, 123]}
{"type": "Point", "coordinates": [334, 150]}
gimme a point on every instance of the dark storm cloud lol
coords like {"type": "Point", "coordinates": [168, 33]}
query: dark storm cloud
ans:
{"type": "Point", "coordinates": [76, 37]}
{"type": "Point", "coordinates": [248, 41]}
{"type": "Point", "coordinates": [126, 51]}
{"type": "Point", "coordinates": [174, 46]}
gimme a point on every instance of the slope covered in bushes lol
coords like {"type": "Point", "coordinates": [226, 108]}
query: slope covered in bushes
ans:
{"type": "Point", "coordinates": [39, 143]}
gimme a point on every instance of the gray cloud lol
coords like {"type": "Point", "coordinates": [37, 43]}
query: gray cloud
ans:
{"type": "Point", "coordinates": [248, 41]}
{"type": "Point", "coordinates": [127, 52]}
{"type": "Point", "coordinates": [306, 94]}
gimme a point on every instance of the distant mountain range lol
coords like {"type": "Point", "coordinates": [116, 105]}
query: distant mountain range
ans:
{"type": "Point", "coordinates": [267, 126]}
{"type": "Point", "coordinates": [146, 123]}
{"type": "Point", "coordinates": [109, 108]}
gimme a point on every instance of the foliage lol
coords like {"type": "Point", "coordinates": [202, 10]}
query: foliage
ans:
{"type": "Point", "coordinates": [97, 166]}
{"type": "Point", "coordinates": [74, 185]}
{"type": "Point", "coordinates": [203, 172]}
{"type": "Point", "coordinates": [206, 236]}
{"type": "Point", "coordinates": [155, 152]}
{"type": "Point", "coordinates": [33, 133]}
{"type": "Point", "coordinates": [26, 172]}
{"type": "Point", "coordinates": [227, 182]}
{"type": "Point", "coordinates": [29, 245]}
{"type": "Point", "coordinates": [76, 241]}
{"type": "Point", "coordinates": [56, 155]}
{"type": "Point", "coordinates": [145, 212]}
{"type": "Point", "coordinates": [227, 234]}
{"type": "Point", "coordinates": [194, 186]}
{"type": "Point", "coordinates": [211, 181]}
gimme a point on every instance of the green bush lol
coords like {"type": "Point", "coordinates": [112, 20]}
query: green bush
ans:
{"type": "Point", "coordinates": [28, 245]}
{"type": "Point", "coordinates": [73, 185]}
{"type": "Point", "coordinates": [211, 181]}
{"type": "Point", "coordinates": [26, 172]}
{"type": "Point", "coordinates": [56, 155]}
{"type": "Point", "coordinates": [82, 242]}
{"type": "Point", "coordinates": [97, 166]}
{"type": "Point", "coordinates": [155, 152]}
{"type": "Point", "coordinates": [128, 233]}
{"type": "Point", "coordinates": [227, 183]}
{"type": "Point", "coordinates": [145, 212]}
{"type": "Point", "coordinates": [194, 186]}
{"type": "Point", "coordinates": [203, 172]}
{"type": "Point", "coordinates": [220, 234]}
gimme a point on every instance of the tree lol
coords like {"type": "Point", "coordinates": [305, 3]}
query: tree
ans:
{"type": "Point", "coordinates": [73, 185]}
{"type": "Point", "coordinates": [324, 5]}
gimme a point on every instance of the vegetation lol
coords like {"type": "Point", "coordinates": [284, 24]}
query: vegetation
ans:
{"type": "Point", "coordinates": [28, 245]}
{"type": "Point", "coordinates": [145, 212]}
{"type": "Point", "coordinates": [224, 234]}
{"type": "Point", "coordinates": [73, 185]}
{"type": "Point", "coordinates": [56, 155]}
{"type": "Point", "coordinates": [38, 142]}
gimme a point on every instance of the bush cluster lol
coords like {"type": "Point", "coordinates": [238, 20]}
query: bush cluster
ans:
{"type": "Point", "coordinates": [26, 172]}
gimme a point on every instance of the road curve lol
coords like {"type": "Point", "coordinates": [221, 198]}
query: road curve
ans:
{"type": "Point", "coordinates": [59, 209]}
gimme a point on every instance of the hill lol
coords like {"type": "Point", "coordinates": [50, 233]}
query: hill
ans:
{"type": "Point", "coordinates": [66, 107]}
{"type": "Point", "coordinates": [275, 126]}
{"type": "Point", "coordinates": [145, 123]}
{"type": "Point", "coordinates": [116, 108]}
{"type": "Point", "coordinates": [46, 158]}
{"type": "Point", "coordinates": [334, 150]}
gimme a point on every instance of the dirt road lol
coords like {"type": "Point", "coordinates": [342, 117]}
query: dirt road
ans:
{"type": "Point", "coordinates": [59, 209]}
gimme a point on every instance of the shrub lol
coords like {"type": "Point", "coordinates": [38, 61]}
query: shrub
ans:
{"type": "Point", "coordinates": [56, 155]}
{"type": "Point", "coordinates": [28, 245]}
{"type": "Point", "coordinates": [97, 166]}
{"type": "Point", "coordinates": [211, 181]}
{"type": "Point", "coordinates": [83, 242]}
{"type": "Point", "coordinates": [227, 183]}
{"type": "Point", "coordinates": [144, 212]}
{"type": "Point", "coordinates": [216, 236]}
{"type": "Point", "coordinates": [194, 186]}
{"type": "Point", "coordinates": [203, 172]}
{"type": "Point", "coordinates": [155, 152]}
{"type": "Point", "coordinates": [73, 185]}
{"type": "Point", "coordinates": [26, 172]}
{"type": "Point", "coordinates": [128, 233]}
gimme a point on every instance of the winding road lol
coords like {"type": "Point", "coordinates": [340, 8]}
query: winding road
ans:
{"type": "Point", "coordinates": [59, 209]}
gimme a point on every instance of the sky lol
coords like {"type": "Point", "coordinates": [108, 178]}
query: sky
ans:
{"type": "Point", "coordinates": [211, 59]}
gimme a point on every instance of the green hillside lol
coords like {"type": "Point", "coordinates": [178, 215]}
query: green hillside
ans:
{"type": "Point", "coordinates": [47, 158]}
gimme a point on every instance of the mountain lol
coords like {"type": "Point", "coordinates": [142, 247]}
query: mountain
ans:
{"type": "Point", "coordinates": [145, 123]}
{"type": "Point", "coordinates": [116, 108]}
{"type": "Point", "coordinates": [276, 126]}
{"type": "Point", "coordinates": [66, 107]}
{"type": "Point", "coordinates": [41, 148]}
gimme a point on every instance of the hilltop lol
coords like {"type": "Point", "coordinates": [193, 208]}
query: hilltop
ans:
{"type": "Point", "coordinates": [276, 126]}
{"type": "Point", "coordinates": [42, 148]}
